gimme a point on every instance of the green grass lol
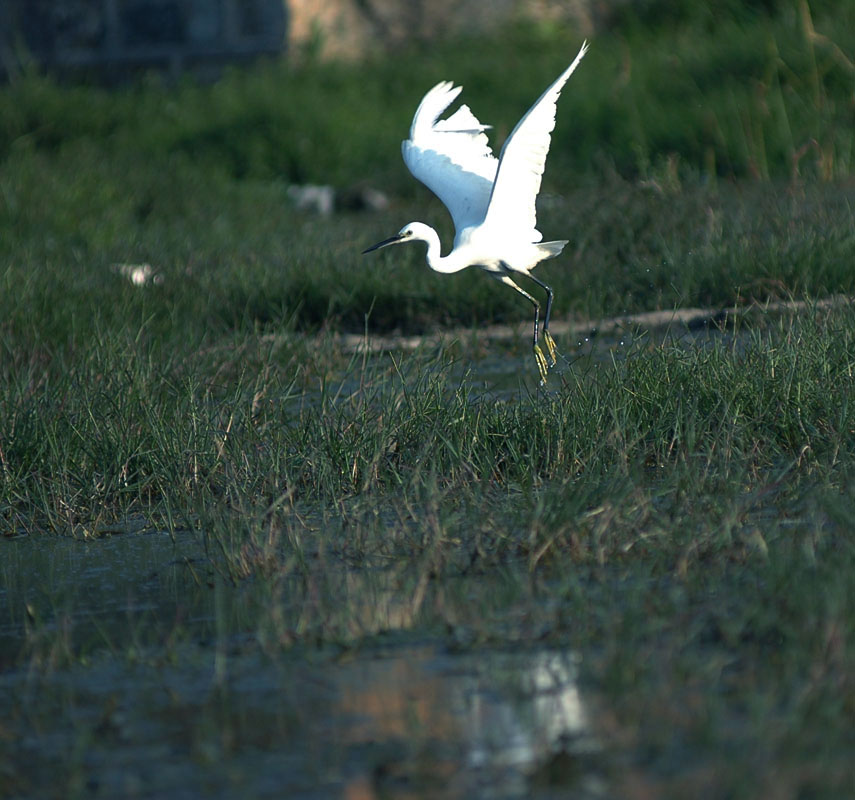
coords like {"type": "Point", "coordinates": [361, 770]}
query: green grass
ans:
{"type": "Point", "coordinates": [725, 94]}
{"type": "Point", "coordinates": [680, 513]}
{"type": "Point", "coordinates": [124, 427]}
{"type": "Point", "coordinates": [675, 507]}
{"type": "Point", "coordinates": [235, 258]}
{"type": "Point", "coordinates": [192, 178]}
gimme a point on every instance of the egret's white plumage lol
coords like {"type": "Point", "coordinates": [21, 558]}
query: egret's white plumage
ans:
{"type": "Point", "coordinates": [491, 201]}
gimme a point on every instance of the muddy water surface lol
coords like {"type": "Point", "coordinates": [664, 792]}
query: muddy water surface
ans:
{"type": "Point", "coordinates": [175, 700]}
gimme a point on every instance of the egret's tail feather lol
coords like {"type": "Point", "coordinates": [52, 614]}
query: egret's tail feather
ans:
{"type": "Point", "coordinates": [551, 249]}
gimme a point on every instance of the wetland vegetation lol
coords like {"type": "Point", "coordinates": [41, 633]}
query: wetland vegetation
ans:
{"type": "Point", "coordinates": [241, 559]}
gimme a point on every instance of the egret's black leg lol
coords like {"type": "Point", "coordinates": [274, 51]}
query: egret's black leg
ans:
{"type": "Point", "coordinates": [538, 353]}
{"type": "Point", "coordinates": [547, 336]}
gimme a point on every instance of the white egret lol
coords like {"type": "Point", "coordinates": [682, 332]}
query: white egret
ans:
{"type": "Point", "coordinates": [492, 202]}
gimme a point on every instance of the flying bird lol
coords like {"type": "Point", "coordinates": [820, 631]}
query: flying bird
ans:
{"type": "Point", "coordinates": [491, 201]}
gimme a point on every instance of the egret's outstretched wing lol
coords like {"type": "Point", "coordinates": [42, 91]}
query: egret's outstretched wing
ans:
{"type": "Point", "coordinates": [521, 163]}
{"type": "Point", "coordinates": [452, 156]}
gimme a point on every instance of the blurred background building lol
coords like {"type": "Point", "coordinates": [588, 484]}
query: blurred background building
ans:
{"type": "Point", "coordinates": [115, 37]}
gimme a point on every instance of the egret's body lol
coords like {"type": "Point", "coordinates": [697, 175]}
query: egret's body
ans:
{"type": "Point", "coordinates": [492, 201]}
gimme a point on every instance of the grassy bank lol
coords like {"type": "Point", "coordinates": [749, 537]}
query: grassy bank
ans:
{"type": "Point", "coordinates": [236, 259]}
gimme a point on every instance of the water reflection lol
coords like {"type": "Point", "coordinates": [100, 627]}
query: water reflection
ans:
{"type": "Point", "coordinates": [407, 722]}
{"type": "Point", "coordinates": [482, 723]}
{"type": "Point", "coordinates": [209, 706]}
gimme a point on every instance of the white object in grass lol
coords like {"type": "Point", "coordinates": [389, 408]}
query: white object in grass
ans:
{"type": "Point", "coordinates": [138, 274]}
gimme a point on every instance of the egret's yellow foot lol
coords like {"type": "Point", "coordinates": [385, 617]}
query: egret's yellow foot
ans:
{"type": "Point", "coordinates": [541, 363]}
{"type": "Point", "coordinates": [550, 348]}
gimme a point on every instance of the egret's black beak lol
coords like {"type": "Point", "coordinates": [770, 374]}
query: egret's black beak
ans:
{"type": "Point", "coordinates": [385, 243]}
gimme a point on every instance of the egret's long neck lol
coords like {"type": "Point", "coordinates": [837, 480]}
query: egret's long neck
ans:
{"type": "Point", "coordinates": [435, 260]}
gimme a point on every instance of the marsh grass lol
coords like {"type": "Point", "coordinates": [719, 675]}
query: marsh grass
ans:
{"type": "Point", "coordinates": [679, 511]}
{"type": "Point", "coordinates": [195, 472]}
{"type": "Point", "coordinates": [677, 507]}
{"type": "Point", "coordinates": [123, 432]}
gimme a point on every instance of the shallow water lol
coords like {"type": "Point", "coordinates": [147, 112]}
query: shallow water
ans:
{"type": "Point", "coordinates": [509, 373]}
{"type": "Point", "coordinates": [95, 585]}
{"type": "Point", "coordinates": [402, 722]}
{"type": "Point", "coordinates": [186, 689]}
{"type": "Point", "coordinates": [216, 713]}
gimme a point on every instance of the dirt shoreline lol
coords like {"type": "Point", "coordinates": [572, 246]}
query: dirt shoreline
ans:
{"type": "Point", "coordinates": [687, 318]}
